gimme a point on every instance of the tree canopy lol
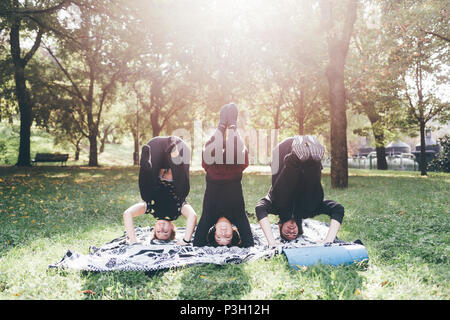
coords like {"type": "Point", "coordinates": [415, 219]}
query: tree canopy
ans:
{"type": "Point", "coordinates": [89, 71]}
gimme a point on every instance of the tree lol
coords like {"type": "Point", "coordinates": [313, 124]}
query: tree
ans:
{"type": "Point", "coordinates": [161, 72]}
{"type": "Point", "coordinates": [26, 18]}
{"type": "Point", "coordinates": [420, 60]}
{"type": "Point", "coordinates": [372, 89]}
{"type": "Point", "coordinates": [338, 44]}
{"type": "Point", "coordinates": [288, 67]}
{"type": "Point", "coordinates": [161, 95]}
{"type": "Point", "coordinates": [93, 60]}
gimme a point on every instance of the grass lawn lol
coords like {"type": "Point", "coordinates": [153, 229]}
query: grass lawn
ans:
{"type": "Point", "coordinates": [402, 219]}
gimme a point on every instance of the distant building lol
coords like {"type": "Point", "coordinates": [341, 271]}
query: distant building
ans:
{"type": "Point", "coordinates": [397, 147]}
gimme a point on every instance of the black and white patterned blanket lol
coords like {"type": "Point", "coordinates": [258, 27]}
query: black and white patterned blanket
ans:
{"type": "Point", "coordinates": [148, 255]}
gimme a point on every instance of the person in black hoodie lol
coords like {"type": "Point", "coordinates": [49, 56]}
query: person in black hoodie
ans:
{"type": "Point", "coordinates": [224, 221]}
{"type": "Point", "coordinates": [164, 186]}
{"type": "Point", "coordinates": [296, 192]}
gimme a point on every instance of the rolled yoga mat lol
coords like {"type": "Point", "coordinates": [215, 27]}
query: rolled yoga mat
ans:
{"type": "Point", "coordinates": [327, 254]}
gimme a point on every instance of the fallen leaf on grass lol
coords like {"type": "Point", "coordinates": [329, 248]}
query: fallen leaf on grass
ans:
{"type": "Point", "coordinates": [384, 283]}
{"type": "Point", "coordinates": [301, 268]}
{"type": "Point", "coordinates": [88, 292]}
{"type": "Point", "coordinates": [357, 292]}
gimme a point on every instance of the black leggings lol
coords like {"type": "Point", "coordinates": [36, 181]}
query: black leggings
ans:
{"type": "Point", "coordinates": [158, 150]}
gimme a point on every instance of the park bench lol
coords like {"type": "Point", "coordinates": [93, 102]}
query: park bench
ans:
{"type": "Point", "coordinates": [51, 157]}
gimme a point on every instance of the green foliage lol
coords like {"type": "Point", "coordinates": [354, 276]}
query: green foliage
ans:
{"type": "Point", "coordinates": [188, 58]}
{"type": "Point", "coordinates": [442, 160]}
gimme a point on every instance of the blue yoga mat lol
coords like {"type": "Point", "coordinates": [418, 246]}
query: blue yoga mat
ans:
{"type": "Point", "coordinates": [328, 254]}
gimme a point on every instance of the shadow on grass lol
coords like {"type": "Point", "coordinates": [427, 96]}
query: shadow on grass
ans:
{"type": "Point", "coordinates": [214, 282]}
{"type": "Point", "coordinates": [115, 285]}
{"type": "Point", "coordinates": [337, 283]}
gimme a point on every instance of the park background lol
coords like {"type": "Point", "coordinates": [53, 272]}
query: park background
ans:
{"type": "Point", "coordinates": [98, 79]}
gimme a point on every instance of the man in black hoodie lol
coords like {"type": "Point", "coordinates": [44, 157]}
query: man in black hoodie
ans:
{"type": "Point", "coordinates": [296, 192]}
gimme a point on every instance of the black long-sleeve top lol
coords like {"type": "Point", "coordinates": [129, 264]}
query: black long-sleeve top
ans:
{"type": "Point", "coordinates": [296, 190]}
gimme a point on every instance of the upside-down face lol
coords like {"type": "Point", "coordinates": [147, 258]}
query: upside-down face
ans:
{"type": "Point", "coordinates": [224, 232]}
{"type": "Point", "coordinates": [289, 230]}
{"type": "Point", "coordinates": [163, 230]}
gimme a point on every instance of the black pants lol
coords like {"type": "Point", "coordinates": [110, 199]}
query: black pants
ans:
{"type": "Point", "coordinates": [158, 150]}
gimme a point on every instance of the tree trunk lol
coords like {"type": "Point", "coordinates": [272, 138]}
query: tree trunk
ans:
{"type": "Point", "coordinates": [93, 134]}
{"type": "Point", "coordinates": [156, 104]}
{"type": "Point", "coordinates": [378, 134]}
{"type": "Point", "coordinates": [301, 111]}
{"type": "Point", "coordinates": [136, 147]}
{"type": "Point", "coordinates": [276, 119]}
{"type": "Point", "coordinates": [23, 96]}
{"type": "Point", "coordinates": [25, 118]}
{"type": "Point", "coordinates": [381, 152]}
{"type": "Point", "coordinates": [338, 125]}
{"type": "Point", "coordinates": [136, 140]}
{"type": "Point", "coordinates": [93, 154]}
{"type": "Point", "coordinates": [102, 146]}
{"type": "Point", "coordinates": [156, 128]}
{"type": "Point", "coordinates": [136, 150]}
{"type": "Point", "coordinates": [92, 125]}
{"type": "Point", "coordinates": [338, 45]}
{"type": "Point", "coordinates": [103, 141]}
{"type": "Point", "coordinates": [423, 160]}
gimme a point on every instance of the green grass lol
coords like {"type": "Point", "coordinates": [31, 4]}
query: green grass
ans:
{"type": "Point", "coordinates": [402, 219]}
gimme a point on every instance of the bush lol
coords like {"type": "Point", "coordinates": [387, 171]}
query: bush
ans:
{"type": "Point", "coordinates": [442, 160]}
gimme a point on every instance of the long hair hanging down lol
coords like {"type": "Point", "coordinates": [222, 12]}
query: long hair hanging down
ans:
{"type": "Point", "coordinates": [235, 240]}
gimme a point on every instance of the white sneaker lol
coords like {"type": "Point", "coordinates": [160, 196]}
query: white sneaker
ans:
{"type": "Point", "coordinates": [300, 148]}
{"type": "Point", "coordinates": [315, 148]}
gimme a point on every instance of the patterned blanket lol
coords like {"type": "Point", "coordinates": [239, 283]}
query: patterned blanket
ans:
{"type": "Point", "coordinates": [153, 255]}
